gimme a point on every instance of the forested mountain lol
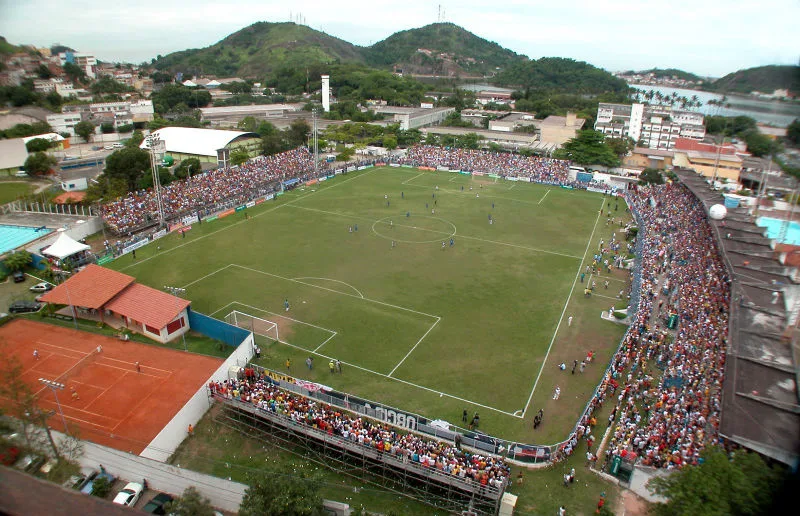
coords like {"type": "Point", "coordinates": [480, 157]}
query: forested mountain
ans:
{"type": "Point", "coordinates": [669, 73]}
{"type": "Point", "coordinates": [257, 50]}
{"type": "Point", "coordinates": [765, 79]}
{"type": "Point", "coordinates": [443, 49]}
{"type": "Point", "coordinates": [556, 74]}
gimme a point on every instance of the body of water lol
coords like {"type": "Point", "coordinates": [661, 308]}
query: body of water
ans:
{"type": "Point", "coordinates": [12, 237]}
{"type": "Point", "coordinates": [777, 226]}
{"type": "Point", "coordinates": [772, 112]}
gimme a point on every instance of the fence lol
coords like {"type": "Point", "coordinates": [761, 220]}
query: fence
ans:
{"type": "Point", "coordinates": [216, 329]}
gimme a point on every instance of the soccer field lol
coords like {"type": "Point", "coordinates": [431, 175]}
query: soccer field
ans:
{"type": "Point", "coordinates": [479, 325]}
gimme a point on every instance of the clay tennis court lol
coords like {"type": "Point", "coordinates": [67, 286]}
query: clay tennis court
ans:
{"type": "Point", "coordinates": [105, 399]}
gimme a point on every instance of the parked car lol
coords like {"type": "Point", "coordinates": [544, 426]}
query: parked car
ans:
{"type": "Point", "coordinates": [156, 505]}
{"type": "Point", "coordinates": [130, 494]}
{"type": "Point", "coordinates": [117, 145]}
{"type": "Point", "coordinates": [88, 486]}
{"type": "Point", "coordinates": [19, 276]}
{"type": "Point", "coordinates": [41, 287]}
{"type": "Point", "coordinates": [21, 307]}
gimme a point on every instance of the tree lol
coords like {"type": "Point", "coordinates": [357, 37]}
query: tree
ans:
{"type": "Point", "coordinates": [620, 146]}
{"type": "Point", "coordinates": [297, 133]}
{"type": "Point", "coordinates": [651, 176]}
{"type": "Point", "coordinates": [39, 163]}
{"type": "Point", "coordinates": [190, 503]}
{"type": "Point", "coordinates": [107, 127]}
{"type": "Point", "coordinates": [101, 487]}
{"type": "Point", "coordinates": [135, 140]}
{"type": "Point", "coordinates": [43, 72]}
{"type": "Point", "coordinates": [793, 132]}
{"type": "Point", "coordinates": [128, 164]}
{"type": "Point", "coordinates": [38, 145]}
{"type": "Point", "coordinates": [588, 148]}
{"type": "Point", "coordinates": [187, 168]}
{"type": "Point", "coordinates": [739, 485]}
{"type": "Point", "coordinates": [18, 261]}
{"type": "Point", "coordinates": [84, 129]}
{"type": "Point", "coordinates": [282, 493]}
{"type": "Point", "coordinates": [239, 156]}
{"type": "Point", "coordinates": [390, 142]}
{"type": "Point", "coordinates": [125, 128]}
{"type": "Point", "coordinates": [758, 144]}
{"type": "Point", "coordinates": [74, 72]}
{"type": "Point", "coordinates": [248, 124]}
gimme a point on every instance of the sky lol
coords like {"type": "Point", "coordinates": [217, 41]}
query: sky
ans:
{"type": "Point", "coordinates": [705, 37]}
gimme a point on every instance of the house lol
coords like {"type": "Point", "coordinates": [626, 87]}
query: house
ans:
{"type": "Point", "coordinates": [115, 298]}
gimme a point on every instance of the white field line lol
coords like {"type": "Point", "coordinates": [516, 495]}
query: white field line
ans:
{"type": "Point", "coordinates": [335, 291]}
{"type": "Point", "coordinates": [408, 181]}
{"type": "Point", "coordinates": [166, 251]}
{"type": "Point", "coordinates": [411, 384]}
{"type": "Point", "coordinates": [284, 317]}
{"type": "Point", "coordinates": [206, 276]}
{"type": "Point", "coordinates": [221, 309]}
{"type": "Point", "coordinates": [324, 342]}
{"type": "Point", "coordinates": [543, 197]}
{"type": "Point", "coordinates": [336, 280]}
{"type": "Point", "coordinates": [512, 186]}
{"type": "Point", "coordinates": [455, 176]}
{"type": "Point", "coordinates": [487, 193]}
{"type": "Point", "coordinates": [534, 249]}
{"type": "Point", "coordinates": [563, 311]}
{"type": "Point", "coordinates": [605, 297]}
{"type": "Point", "coordinates": [415, 346]}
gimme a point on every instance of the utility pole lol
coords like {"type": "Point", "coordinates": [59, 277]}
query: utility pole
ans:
{"type": "Point", "coordinates": [316, 150]}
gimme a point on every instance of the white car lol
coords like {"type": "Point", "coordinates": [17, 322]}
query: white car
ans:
{"type": "Point", "coordinates": [41, 287]}
{"type": "Point", "coordinates": [130, 494]}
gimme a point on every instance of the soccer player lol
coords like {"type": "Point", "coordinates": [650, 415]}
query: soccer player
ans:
{"type": "Point", "coordinates": [286, 304]}
{"type": "Point", "coordinates": [452, 242]}
{"type": "Point", "coordinates": [442, 245]}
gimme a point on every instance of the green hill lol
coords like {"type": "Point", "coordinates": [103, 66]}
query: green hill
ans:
{"type": "Point", "coordinates": [439, 49]}
{"type": "Point", "coordinates": [8, 48]}
{"type": "Point", "coordinates": [765, 79]}
{"type": "Point", "coordinates": [261, 48]}
{"type": "Point", "coordinates": [556, 74]}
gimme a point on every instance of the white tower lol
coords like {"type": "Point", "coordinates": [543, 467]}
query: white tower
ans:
{"type": "Point", "coordinates": [326, 93]}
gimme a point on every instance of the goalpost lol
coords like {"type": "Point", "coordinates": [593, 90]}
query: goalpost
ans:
{"type": "Point", "coordinates": [257, 325]}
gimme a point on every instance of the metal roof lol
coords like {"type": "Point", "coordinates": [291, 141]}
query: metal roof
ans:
{"type": "Point", "coordinates": [201, 142]}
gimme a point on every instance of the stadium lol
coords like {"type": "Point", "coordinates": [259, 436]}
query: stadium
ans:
{"type": "Point", "coordinates": [457, 297]}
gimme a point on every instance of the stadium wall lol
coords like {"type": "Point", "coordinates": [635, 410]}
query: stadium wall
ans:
{"type": "Point", "coordinates": [171, 436]}
{"type": "Point", "coordinates": [216, 329]}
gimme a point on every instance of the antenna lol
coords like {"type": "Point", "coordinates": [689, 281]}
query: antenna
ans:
{"type": "Point", "coordinates": [439, 18]}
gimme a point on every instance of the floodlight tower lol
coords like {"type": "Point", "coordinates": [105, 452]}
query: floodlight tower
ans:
{"type": "Point", "coordinates": [157, 149]}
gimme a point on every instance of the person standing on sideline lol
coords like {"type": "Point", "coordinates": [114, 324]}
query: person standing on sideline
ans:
{"type": "Point", "coordinates": [574, 365]}
{"type": "Point", "coordinates": [338, 366]}
{"type": "Point", "coordinates": [569, 321]}
{"type": "Point", "coordinates": [583, 365]}
{"type": "Point", "coordinates": [557, 393]}
{"type": "Point", "coordinates": [394, 244]}
{"type": "Point", "coordinates": [464, 416]}
{"type": "Point", "coordinates": [190, 430]}
{"type": "Point", "coordinates": [36, 354]}
{"type": "Point", "coordinates": [134, 254]}
{"type": "Point", "coordinates": [286, 304]}
{"type": "Point", "coordinates": [331, 366]}
{"type": "Point", "coordinates": [583, 275]}
{"type": "Point", "coordinates": [402, 195]}
{"type": "Point", "coordinates": [288, 365]}
{"type": "Point", "coordinates": [310, 363]}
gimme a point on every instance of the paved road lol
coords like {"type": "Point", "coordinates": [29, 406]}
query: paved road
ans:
{"type": "Point", "coordinates": [224, 494]}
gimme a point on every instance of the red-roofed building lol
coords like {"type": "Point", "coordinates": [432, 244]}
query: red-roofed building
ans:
{"type": "Point", "coordinates": [119, 301]}
{"type": "Point", "coordinates": [687, 144]}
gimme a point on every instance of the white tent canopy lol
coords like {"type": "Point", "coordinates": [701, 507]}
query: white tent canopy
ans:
{"type": "Point", "coordinates": [65, 246]}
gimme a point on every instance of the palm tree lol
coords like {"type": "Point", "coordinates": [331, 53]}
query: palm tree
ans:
{"type": "Point", "coordinates": [659, 97]}
{"type": "Point", "coordinates": [696, 101]}
{"type": "Point", "coordinates": [649, 95]}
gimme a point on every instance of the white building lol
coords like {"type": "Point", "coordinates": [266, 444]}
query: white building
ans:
{"type": "Point", "coordinates": [64, 122]}
{"type": "Point", "coordinates": [655, 127]}
{"type": "Point", "coordinates": [86, 62]}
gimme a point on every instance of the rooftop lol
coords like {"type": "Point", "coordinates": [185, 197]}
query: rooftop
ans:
{"type": "Point", "coordinates": [147, 305]}
{"type": "Point", "coordinates": [201, 142]}
{"type": "Point", "coordinates": [93, 287]}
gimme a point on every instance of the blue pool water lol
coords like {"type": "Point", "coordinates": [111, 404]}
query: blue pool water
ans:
{"type": "Point", "coordinates": [12, 237]}
{"type": "Point", "coordinates": [775, 226]}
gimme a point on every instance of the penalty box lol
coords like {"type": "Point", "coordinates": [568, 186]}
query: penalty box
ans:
{"type": "Point", "coordinates": [326, 316]}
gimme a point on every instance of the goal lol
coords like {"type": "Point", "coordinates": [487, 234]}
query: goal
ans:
{"type": "Point", "coordinates": [257, 325]}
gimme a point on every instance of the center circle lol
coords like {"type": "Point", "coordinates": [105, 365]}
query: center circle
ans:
{"type": "Point", "coordinates": [417, 229]}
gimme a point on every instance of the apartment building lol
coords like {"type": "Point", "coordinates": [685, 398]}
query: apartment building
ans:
{"type": "Point", "coordinates": [64, 122]}
{"type": "Point", "coordinates": [654, 127]}
{"type": "Point", "coordinates": [86, 62]}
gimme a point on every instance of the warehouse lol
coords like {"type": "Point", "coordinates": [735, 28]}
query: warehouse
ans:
{"type": "Point", "coordinates": [207, 145]}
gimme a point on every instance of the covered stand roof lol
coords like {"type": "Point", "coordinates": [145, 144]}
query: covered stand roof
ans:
{"type": "Point", "coordinates": [65, 246]}
{"type": "Point", "coordinates": [202, 142]}
{"type": "Point", "coordinates": [147, 305]}
{"type": "Point", "coordinates": [93, 287]}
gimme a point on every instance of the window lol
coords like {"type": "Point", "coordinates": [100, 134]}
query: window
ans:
{"type": "Point", "coordinates": [175, 326]}
{"type": "Point", "coordinates": [151, 329]}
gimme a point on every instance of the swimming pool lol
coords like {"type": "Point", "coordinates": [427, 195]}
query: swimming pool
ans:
{"type": "Point", "coordinates": [775, 227]}
{"type": "Point", "coordinates": [12, 237]}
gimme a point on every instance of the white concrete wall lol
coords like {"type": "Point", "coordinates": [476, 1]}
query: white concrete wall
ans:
{"type": "Point", "coordinates": [171, 436]}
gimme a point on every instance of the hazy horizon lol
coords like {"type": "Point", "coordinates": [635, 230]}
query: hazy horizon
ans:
{"type": "Point", "coordinates": [709, 39]}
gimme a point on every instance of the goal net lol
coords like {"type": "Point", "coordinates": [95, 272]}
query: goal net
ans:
{"type": "Point", "coordinates": [257, 325]}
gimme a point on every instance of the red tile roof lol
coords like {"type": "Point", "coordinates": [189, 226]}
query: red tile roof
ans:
{"type": "Point", "coordinates": [689, 144]}
{"type": "Point", "coordinates": [93, 287]}
{"type": "Point", "coordinates": [147, 305]}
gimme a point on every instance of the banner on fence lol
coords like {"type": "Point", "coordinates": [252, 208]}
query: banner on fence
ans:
{"type": "Point", "coordinates": [455, 171]}
{"type": "Point", "coordinates": [136, 245]}
{"type": "Point", "coordinates": [443, 169]}
{"type": "Point", "coordinates": [158, 234]}
{"type": "Point", "coordinates": [597, 190]}
{"type": "Point", "coordinates": [271, 196]}
{"type": "Point", "coordinates": [494, 176]}
{"type": "Point", "coordinates": [311, 182]}
{"type": "Point", "coordinates": [277, 194]}
{"type": "Point", "coordinates": [478, 173]}
{"type": "Point", "coordinates": [250, 204]}
{"type": "Point", "coordinates": [406, 166]}
{"type": "Point", "coordinates": [380, 164]}
{"type": "Point", "coordinates": [105, 259]}
{"type": "Point", "coordinates": [211, 218]}
{"type": "Point", "coordinates": [351, 169]}
{"type": "Point", "coordinates": [240, 208]}
{"type": "Point", "coordinates": [465, 173]}
{"type": "Point", "coordinates": [566, 187]}
{"type": "Point", "coordinates": [225, 213]}
{"type": "Point", "coordinates": [323, 178]}
{"type": "Point", "coordinates": [394, 165]}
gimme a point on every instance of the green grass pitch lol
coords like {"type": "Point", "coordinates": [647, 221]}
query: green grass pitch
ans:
{"type": "Point", "coordinates": [427, 329]}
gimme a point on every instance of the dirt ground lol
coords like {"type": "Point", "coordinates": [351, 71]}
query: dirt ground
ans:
{"type": "Point", "coordinates": [631, 504]}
